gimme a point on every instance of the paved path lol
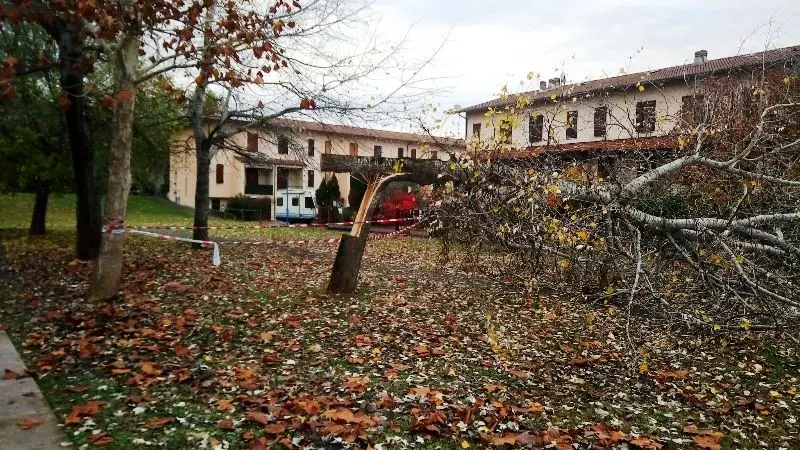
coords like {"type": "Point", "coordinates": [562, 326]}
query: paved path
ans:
{"type": "Point", "coordinates": [21, 399]}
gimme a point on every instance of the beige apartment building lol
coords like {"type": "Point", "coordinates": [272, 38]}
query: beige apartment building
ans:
{"type": "Point", "coordinates": [642, 111]}
{"type": "Point", "coordinates": [281, 162]}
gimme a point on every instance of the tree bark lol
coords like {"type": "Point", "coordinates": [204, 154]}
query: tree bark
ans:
{"type": "Point", "coordinates": [72, 73]}
{"type": "Point", "coordinates": [344, 275]}
{"type": "Point", "coordinates": [38, 227]}
{"type": "Point", "coordinates": [202, 188]}
{"type": "Point", "coordinates": [107, 270]}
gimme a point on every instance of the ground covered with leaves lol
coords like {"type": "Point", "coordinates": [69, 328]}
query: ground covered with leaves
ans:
{"type": "Point", "coordinates": [436, 352]}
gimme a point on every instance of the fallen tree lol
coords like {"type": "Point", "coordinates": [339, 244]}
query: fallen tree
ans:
{"type": "Point", "coordinates": [377, 173]}
{"type": "Point", "coordinates": [706, 233]}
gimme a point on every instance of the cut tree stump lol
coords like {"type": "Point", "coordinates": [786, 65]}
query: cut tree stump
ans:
{"type": "Point", "coordinates": [377, 172]}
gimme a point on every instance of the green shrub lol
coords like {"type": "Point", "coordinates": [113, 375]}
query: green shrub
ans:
{"type": "Point", "coordinates": [249, 208]}
{"type": "Point", "coordinates": [323, 195]}
{"type": "Point", "coordinates": [333, 190]}
{"type": "Point", "coordinates": [357, 190]}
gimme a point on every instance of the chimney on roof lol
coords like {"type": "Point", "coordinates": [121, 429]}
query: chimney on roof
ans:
{"type": "Point", "coordinates": [700, 57]}
{"type": "Point", "coordinates": [543, 85]}
{"type": "Point", "coordinates": [554, 83]}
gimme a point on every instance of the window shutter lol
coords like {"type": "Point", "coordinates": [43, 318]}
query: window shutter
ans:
{"type": "Point", "coordinates": [252, 142]}
{"type": "Point", "coordinates": [220, 173]}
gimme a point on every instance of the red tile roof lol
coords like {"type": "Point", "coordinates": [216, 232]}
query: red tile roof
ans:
{"type": "Point", "coordinates": [346, 130]}
{"type": "Point", "coordinates": [615, 145]}
{"type": "Point", "coordinates": [766, 58]}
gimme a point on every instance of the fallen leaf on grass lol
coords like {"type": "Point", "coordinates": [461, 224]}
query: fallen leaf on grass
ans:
{"type": "Point", "coordinates": [275, 428]}
{"type": "Point", "coordinates": [533, 408]}
{"type": "Point", "coordinates": [710, 442]}
{"type": "Point", "coordinates": [159, 422]}
{"type": "Point", "coordinates": [519, 374]}
{"type": "Point", "coordinates": [256, 416]}
{"type": "Point", "coordinates": [150, 369]}
{"type": "Point", "coordinates": [101, 439]}
{"type": "Point", "coordinates": [356, 384]}
{"type": "Point", "coordinates": [363, 340]}
{"type": "Point", "coordinates": [224, 405]}
{"type": "Point", "coordinates": [29, 422]}
{"type": "Point", "coordinates": [666, 375]}
{"type": "Point", "coordinates": [88, 409]}
{"type": "Point", "coordinates": [345, 415]}
{"type": "Point", "coordinates": [494, 388]}
{"type": "Point", "coordinates": [499, 441]}
{"type": "Point", "coordinates": [267, 336]}
{"type": "Point", "coordinates": [225, 424]}
{"type": "Point", "coordinates": [580, 362]}
{"type": "Point", "coordinates": [176, 286]}
{"type": "Point", "coordinates": [646, 443]}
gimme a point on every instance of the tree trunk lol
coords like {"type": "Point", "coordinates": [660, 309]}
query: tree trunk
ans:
{"type": "Point", "coordinates": [38, 227]}
{"type": "Point", "coordinates": [344, 275]}
{"type": "Point", "coordinates": [201, 195]}
{"type": "Point", "coordinates": [88, 223]}
{"type": "Point", "coordinates": [107, 270]}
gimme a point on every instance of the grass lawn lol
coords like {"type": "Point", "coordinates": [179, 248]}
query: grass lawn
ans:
{"type": "Point", "coordinates": [16, 209]}
{"type": "Point", "coordinates": [433, 351]}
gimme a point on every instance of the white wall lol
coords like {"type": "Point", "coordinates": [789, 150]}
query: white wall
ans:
{"type": "Point", "coordinates": [621, 119]}
{"type": "Point", "coordinates": [183, 165]}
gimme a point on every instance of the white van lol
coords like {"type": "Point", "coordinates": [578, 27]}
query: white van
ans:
{"type": "Point", "coordinates": [295, 204]}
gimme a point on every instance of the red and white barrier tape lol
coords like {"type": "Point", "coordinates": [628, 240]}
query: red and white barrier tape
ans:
{"type": "Point", "coordinates": [375, 237]}
{"type": "Point", "coordinates": [286, 242]}
{"type": "Point", "coordinates": [241, 227]}
{"type": "Point", "coordinates": [215, 258]}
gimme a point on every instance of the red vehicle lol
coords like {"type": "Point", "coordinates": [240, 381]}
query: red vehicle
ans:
{"type": "Point", "coordinates": [399, 204]}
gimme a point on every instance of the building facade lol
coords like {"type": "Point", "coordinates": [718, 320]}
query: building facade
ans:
{"type": "Point", "coordinates": [641, 111]}
{"type": "Point", "coordinates": [283, 160]}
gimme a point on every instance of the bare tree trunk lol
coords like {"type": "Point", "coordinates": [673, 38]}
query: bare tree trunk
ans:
{"type": "Point", "coordinates": [201, 196]}
{"type": "Point", "coordinates": [107, 270]}
{"type": "Point", "coordinates": [88, 220]}
{"type": "Point", "coordinates": [38, 227]}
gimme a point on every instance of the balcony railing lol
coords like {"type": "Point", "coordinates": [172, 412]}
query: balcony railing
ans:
{"type": "Point", "coordinates": [258, 189]}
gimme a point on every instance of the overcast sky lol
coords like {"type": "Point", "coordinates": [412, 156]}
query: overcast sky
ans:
{"type": "Point", "coordinates": [497, 42]}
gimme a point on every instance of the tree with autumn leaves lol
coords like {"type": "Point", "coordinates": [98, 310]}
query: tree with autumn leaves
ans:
{"type": "Point", "coordinates": [234, 50]}
{"type": "Point", "coordinates": [139, 41]}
